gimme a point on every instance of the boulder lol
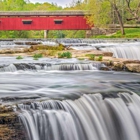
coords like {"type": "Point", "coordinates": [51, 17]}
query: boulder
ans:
{"type": "Point", "coordinates": [131, 61]}
{"type": "Point", "coordinates": [118, 66]}
{"type": "Point", "coordinates": [133, 67]}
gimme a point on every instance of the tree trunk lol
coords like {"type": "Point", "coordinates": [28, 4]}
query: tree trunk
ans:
{"type": "Point", "coordinates": [119, 19]}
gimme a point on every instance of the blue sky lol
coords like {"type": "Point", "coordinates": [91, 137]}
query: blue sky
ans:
{"type": "Point", "coordinates": [59, 2]}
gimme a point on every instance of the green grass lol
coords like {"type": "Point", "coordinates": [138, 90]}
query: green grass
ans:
{"type": "Point", "coordinates": [91, 56]}
{"type": "Point", "coordinates": [100, 58]}
{"type": "Point", "coordinates": [37, 56]}
{"type": "Point", "coordinates": [65, 55]}
{"type": "Point", "coordinates": [129, 33]}
{"type": "Point", "coordinates": [19, 57]}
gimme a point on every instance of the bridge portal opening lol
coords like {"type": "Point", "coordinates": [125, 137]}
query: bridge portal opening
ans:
{"type": "Point", "coordinates": [27, 21]}
{"type": "Point", "coordinates": [58, 21]}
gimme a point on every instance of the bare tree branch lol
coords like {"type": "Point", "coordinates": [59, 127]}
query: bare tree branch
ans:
{"type": "Point", "coordinates": [134, 13]}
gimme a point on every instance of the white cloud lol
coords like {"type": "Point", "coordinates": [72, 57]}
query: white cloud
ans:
{"type": "Point", "coordinates": [59, 2]}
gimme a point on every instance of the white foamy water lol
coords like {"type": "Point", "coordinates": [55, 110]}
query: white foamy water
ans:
{"type": "Point", "coordinates": [87, 118]}
{"type": "Point", "coordinates": [69, 99]}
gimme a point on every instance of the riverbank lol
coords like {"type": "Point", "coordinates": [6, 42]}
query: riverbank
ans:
{"type": "Point", "coordinates": [132, 33]}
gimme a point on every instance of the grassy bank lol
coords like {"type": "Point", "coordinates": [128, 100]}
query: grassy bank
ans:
{"type": "Point", "coordinates": [129, 33]}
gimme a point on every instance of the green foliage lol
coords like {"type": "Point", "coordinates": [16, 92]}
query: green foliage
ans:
{"type": "Point", "coordinates": [14, 34]}
{"type": "Point", "coordinates": [65, 55]}
{"type": "Point", "coordinates": [100, 14]}
{"type": "Point", "coordinates": [56, 34]}
{"type": "Point", "coordinates": [100, 58]}
{"type": "Point", "coordinates": [80, 58]}
{"type": "Point", "coordinates": [75, 34]}
{"type": "Point", "coordinates": [91, 56]}
{"type": "Point", "coordinates": [37, 56]}
{"type": "Point", "coordinates": [129, 33]}
{"type": "Point", "coordinates": [19, 57]}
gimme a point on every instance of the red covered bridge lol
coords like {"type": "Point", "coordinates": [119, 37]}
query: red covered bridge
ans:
{"type": "Point", "coordinates": [52, 20]}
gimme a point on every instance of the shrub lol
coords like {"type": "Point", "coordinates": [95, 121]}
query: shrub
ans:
{"type": "Point", "coordinates": [65, 55]}
{"type": "Point", "coordinates": [91, 56]}
{"type": "Point", "coordinates": [19, 57]}
{"type": "Point", "coordinates": [100, 58]}
{"type": "Point", "coordinates": [36, 56]}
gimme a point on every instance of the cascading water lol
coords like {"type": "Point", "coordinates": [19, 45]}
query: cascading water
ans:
{"type": "Point", "coordinates": [57, 99]}
{"type": "Point", "coordinates": [87, 118]}
{"type": "Point", "coordinates": [124, 50]}
{"type": "Point", "coordinates": [128, 49]}
{"type": "Point", "coordinates": [48, 67]}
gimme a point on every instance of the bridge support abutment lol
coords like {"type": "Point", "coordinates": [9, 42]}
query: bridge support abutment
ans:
{"type": "Point", "coordinates": [46, 33]}
{"type": "Point", "coordinates": [88, 33]}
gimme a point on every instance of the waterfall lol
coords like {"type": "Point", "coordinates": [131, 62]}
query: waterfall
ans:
{"type": "Point", "coordinates": [121, 48]}
{"type": "Point", "coordinates": [49, 66]}
{"type": "Point", "coordinates": [87, 118]}
{"type": "Point", "coordinates": [124, 50]}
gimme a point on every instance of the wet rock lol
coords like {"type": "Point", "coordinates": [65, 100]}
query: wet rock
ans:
{"type": "Point", "coordinates": [108, 54]}
{"type": "Point", "coordinates": [107, 63]}
{"type": "Point", "coordinates": [27, 43]}
{"type": "Point", "coordinates": [133, 67]}
{"type": "Point", "coordinates": [10, 126]}
{"type": "Point", "coordinates": [12, 51]}
{"type": "Point", "coordinates": [118, 66]}
{"type": "Point", "coordinates": [104, 67]}
{"type": "Point", "coordinates": [5, 109]}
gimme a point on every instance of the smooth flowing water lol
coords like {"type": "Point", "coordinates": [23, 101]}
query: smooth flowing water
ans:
{"type": "Point", "coordinates": [70, 99]}
{"type": "Point", "coordinates": [87, 118]}
{"type": "Point", "coordinates": [129, 49]}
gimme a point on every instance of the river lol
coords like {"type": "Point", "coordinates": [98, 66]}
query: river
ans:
{"type": "Point", "coordinates": [70, 99]}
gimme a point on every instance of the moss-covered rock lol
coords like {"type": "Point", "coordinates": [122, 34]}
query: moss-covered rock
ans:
{"type": "Point", "coordinates": [45, 47]}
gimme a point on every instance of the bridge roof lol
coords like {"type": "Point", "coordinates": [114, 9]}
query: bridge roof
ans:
{"type": "Point", "coordinates": [44, 13]}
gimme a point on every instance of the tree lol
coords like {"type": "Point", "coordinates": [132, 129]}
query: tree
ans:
{"type": "Point", "coordinates": [16, 5]}
{"type": "Point", "coordinates": [115, 4]}
{"type": "Point", "coordinates": [133, 7]}
{"type": "Point", "coordinates": [100, 11]}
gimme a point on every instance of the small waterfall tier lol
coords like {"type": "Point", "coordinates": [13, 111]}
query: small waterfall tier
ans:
{"type": "Point", "coordinates": [124, 50]}
{"type": "Point", "coordinates": [91, 117]}
{"type": "Point", "coordinates": [48, 67]}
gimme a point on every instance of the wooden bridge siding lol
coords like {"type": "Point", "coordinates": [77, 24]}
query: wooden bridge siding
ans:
{"type": "Point", "coordinates": [44, 23]}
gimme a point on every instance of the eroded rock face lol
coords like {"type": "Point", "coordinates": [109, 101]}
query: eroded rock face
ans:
{"type": "Point", "coordinates": [122, 65]}
{"type": "Point", "coordinates": [13, 51]}
{"type": "Point", "coordinates": [133, 67]}
{"type": "Point", "coordinates": [27, 43]}
{"type": "Point", "coordinates": [10, 126]}
{"type": "Point", "coordinates": [118, 66]}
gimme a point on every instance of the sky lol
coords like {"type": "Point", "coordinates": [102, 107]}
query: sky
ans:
{"type": "Point", "coordinates": [59, 2]}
